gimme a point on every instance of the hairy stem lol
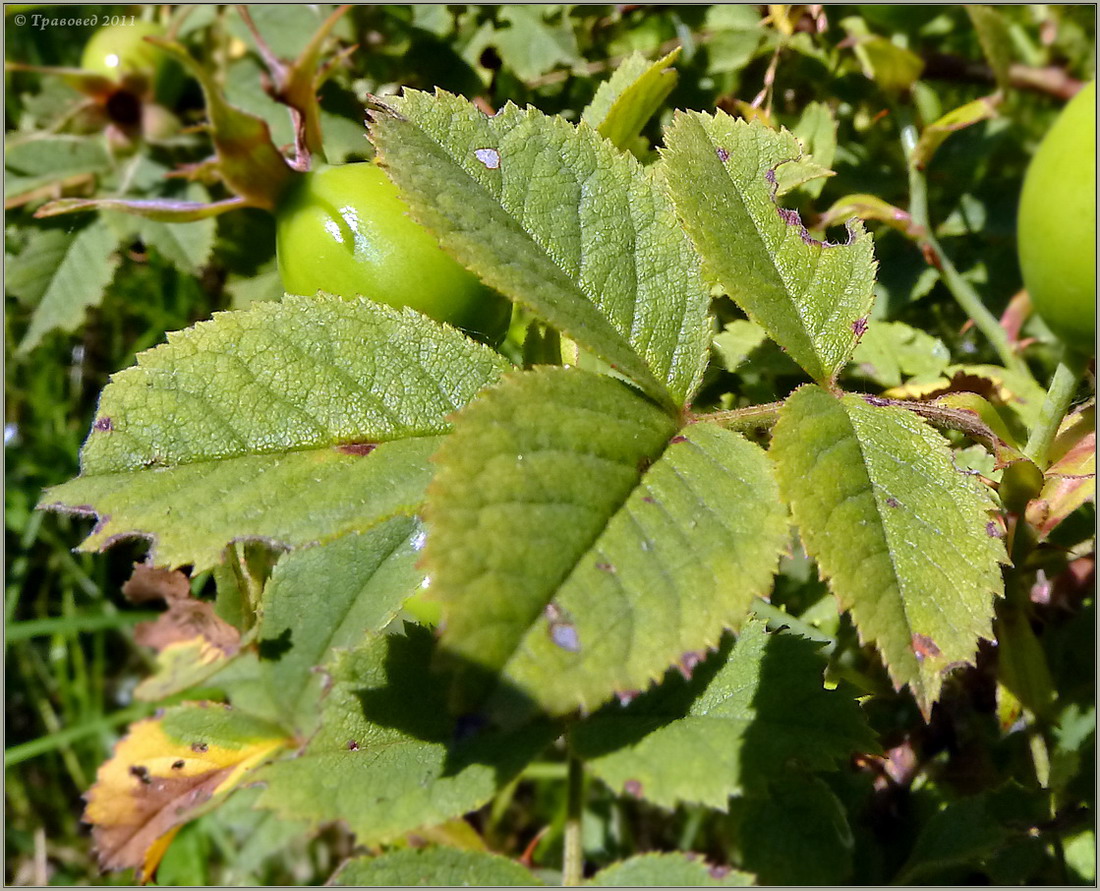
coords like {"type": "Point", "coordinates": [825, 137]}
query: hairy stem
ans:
{"type": "Point", "coordinates": [748, 418]}
{"type": "Point", "coordinates": [572, 873]}
{"type": "Point", "coordinates": [961, 290]}
{"type": "Point", "coordinates": [1054, 409]}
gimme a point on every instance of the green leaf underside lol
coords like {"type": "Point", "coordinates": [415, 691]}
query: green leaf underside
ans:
{"type": "Point", "coordinates": [571, 566]}
{"type": "Point", "coordinates": [553, 217]}
{"type": "Point", "coordinates": [904, 537]}
{"type": "Point", "coordinates": [433, 866]}
{"type": "Point", "coordinates": [808, 295]}
{"type": "Point", "coordinates": [366, 578]}
{"type": "Point", "coordinates": [291, 499]}
{"type": "Point", "coordinates": [78, 282]}
{"type": "Point", "coordinates": [384, 761]}
{"type": "Point", "coordinates": [227, 430]}
{"type": "Point", "coordinates": [745, 717]}
{"type": "Point", "coordinates": [625, 102]}
{"type": "Point", "coordinates": [673, 870]}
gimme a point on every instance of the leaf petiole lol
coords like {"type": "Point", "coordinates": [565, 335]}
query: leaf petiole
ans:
{"type": "Point", "coordinates": [748, 418]}
{"type": "Point", "coordinates": [960, 288]}
{"type": "Point", "coordinates": [1055, 406]}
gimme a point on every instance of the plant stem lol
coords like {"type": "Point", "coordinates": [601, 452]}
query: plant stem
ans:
{"type": "Point", "coordinates": [746, 418]}
{"type": "Point", "coordinates": [960, 288]}
{"type": "Point", "coordinates": [572, 873]}
{"type": "Point", "coordinates": [1054, 409]}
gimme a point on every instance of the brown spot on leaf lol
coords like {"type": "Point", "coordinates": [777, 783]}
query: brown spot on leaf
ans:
{"type": "Point", "coordinates": [924, 646]}
{"type": "Point", "coordinates": [724, 156]}
{"type": "Point", "coordinates": [103, 424]}
{"type": "Point", "coordinates": [689, 662]}
{"type": "Point", "coordinates": [199, 748]}
{"type": "Point", "coordinates": [892, 502]}
{"type": "Point", "coordinates": [648, 500]}
{"type": "Point", "coordinates": [605, 567]}
{"type": "Point", "coordinates": [357, 448]}
{"type": "Point", "coordinates": [178, 765]}
{"type": "Point", "coordinates": [353, 746]}
{"type": "Point", "coordinates": [141, 772]}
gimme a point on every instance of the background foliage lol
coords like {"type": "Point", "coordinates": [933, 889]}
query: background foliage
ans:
{"type": "Point", "coordinates": [955, 798]}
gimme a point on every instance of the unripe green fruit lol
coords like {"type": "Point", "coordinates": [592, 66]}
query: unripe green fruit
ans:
{"type": "Point", "coordinates": [344, 230]}
{"type": "Point", "coordinates": [1057, 225]}
{"type": "Point", "coordinates": [120, 50]}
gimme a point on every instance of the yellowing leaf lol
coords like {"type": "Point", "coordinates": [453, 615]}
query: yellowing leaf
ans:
{"type": "Point", "coordinates": [153, 783]}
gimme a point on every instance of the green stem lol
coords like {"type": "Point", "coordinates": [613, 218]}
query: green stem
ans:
{"type": "Point", "coordinates": [1054, 409]}
{"type": "Point", "coordinates": [960, 288]}
{"type": "Point", "coordinates": [748, 418]}
{"type": "Point", "coordinates": [572, 873]}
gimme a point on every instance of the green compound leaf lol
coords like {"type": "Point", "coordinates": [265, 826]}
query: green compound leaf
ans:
{"type": "Point", "coordinates": [388, 758]}
{"type": "Point", "coordinates": [669, 871]}
{"type": "Point", "coordinates": [625, 102]}
{"type": "Point", "coordinates": [433, 866]}
{"type": "Point", "coordinates": [78, 281]}
{"type": "Point", "coordinates": [579, 545]}
{"type": "Point", "coordinates": [226, 431]}
{"type": "Point", "coordinates": [905, 538]}
{"type": "Point", "coordinates": [32, 165]}
{"type": "Point", "coordinates": [559, 221]}
{"type": "Point", "coordinates": [744, 717]}
{"type": "Point", "coordinates": [366, 578]}
{"type": "Point", "coordinates": [811, 297]}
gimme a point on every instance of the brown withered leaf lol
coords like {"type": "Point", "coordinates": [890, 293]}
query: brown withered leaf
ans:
{"type": "Point", "coordinates": [149, 583]}
{"type": "Point", "coordinates": [152, 785]}
{"type": "Point", "coordinates": [186, 620]}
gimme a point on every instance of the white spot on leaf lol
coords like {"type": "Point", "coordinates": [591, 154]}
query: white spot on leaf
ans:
{"type": "Point", "coordinates": [489, 157]}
